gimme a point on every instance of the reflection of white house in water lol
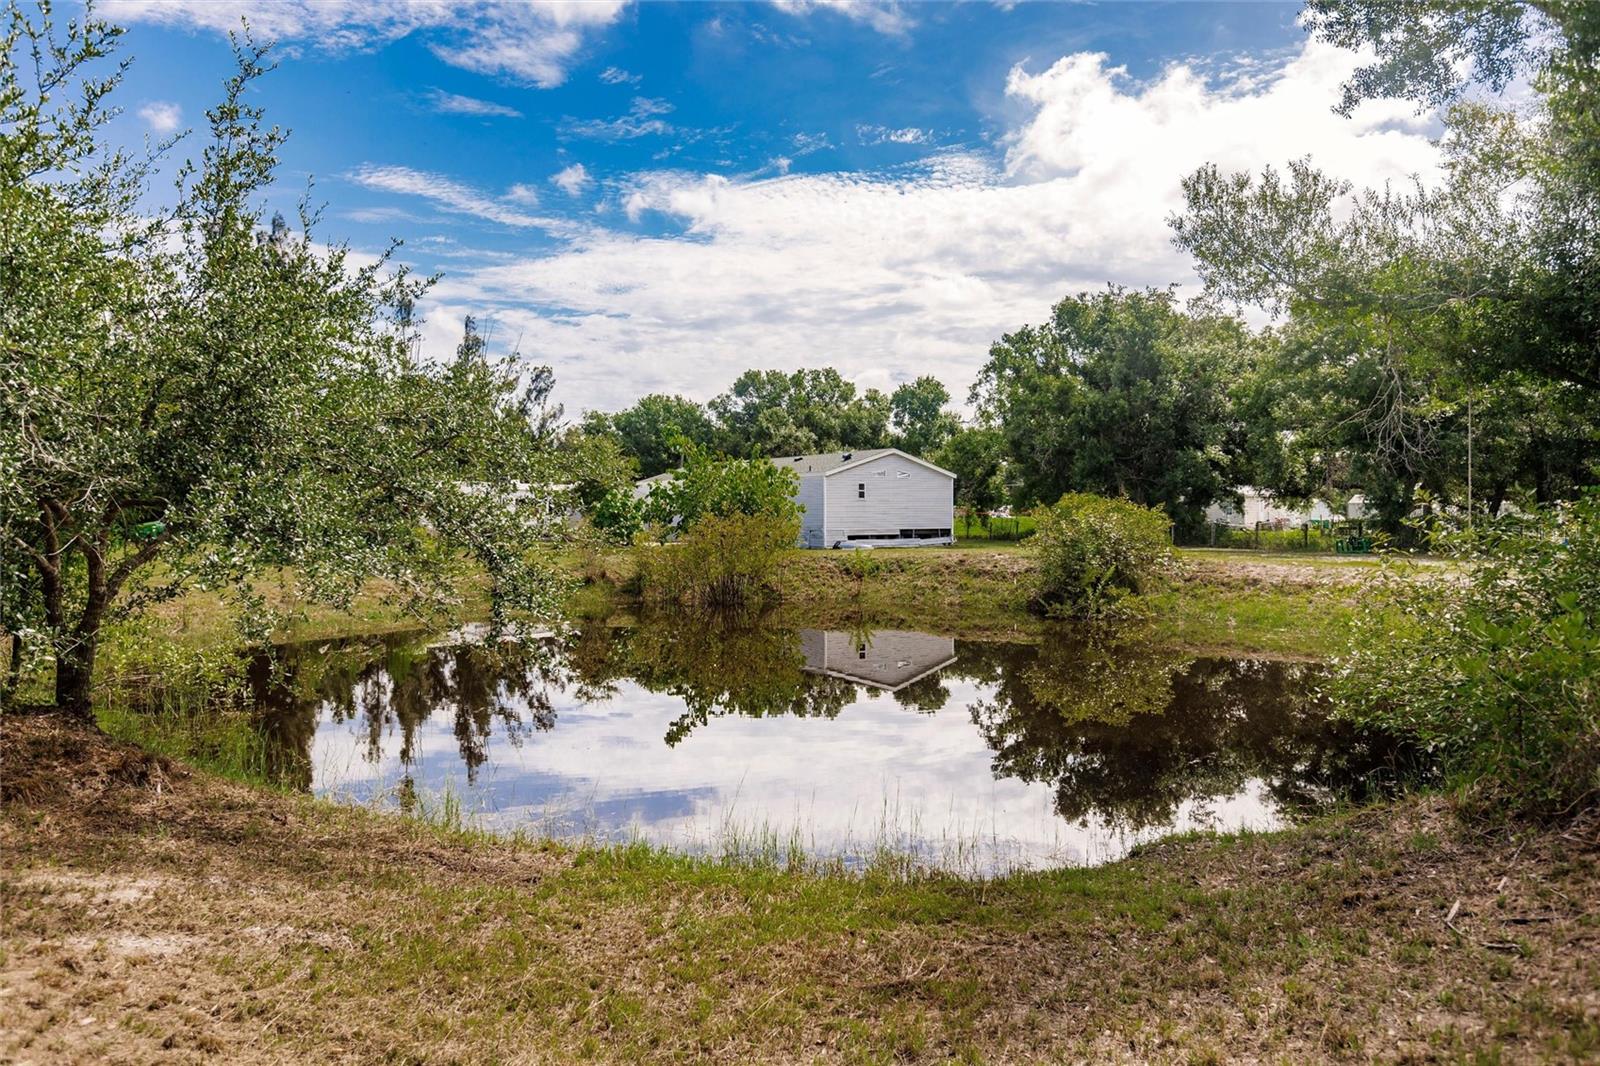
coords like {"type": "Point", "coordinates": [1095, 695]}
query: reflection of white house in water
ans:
{"type": "Point", "coordinates": [888, 659]}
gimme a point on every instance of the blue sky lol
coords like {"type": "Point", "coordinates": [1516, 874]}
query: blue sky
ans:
{"type": "Point", "coordinates": [652, 196]}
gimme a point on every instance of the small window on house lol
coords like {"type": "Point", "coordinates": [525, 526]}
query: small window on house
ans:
{"type": "Point", "coordinates": [861, 490]}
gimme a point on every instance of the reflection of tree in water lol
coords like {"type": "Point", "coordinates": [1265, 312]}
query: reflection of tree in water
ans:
{"type": "Point", "coordinates": [400, 683]}
{"type": "Point", "coordinates": [1129, 732]}
{"type": "Point", "coordinates": [717, 666]}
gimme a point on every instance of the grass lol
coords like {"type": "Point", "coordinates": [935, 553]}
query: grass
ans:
{"type": "Point", "coordinates": [207, 918]}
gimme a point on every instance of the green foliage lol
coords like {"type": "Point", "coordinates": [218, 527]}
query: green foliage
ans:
{"type": "Point", "coordinates": [620, 515]}
{"type": "Point", "coordinates": [1495, 664]}
{"type": "Point", "coordinates": [723, 560]}
{"type": "Point", "coordinates": [596, 466]}
{"type": "Point", "coordinates": [977, 457]}
{"type": "Point", "coordinates": [1094, 552]}
{"type": "Point", "coordinates": [654, 429]}
{"type": "Point", "coordinates": [1121, 394]}
{"type": "Point", "coordinates": [769, 412]}
{"type": "Point", "coordinates": [916, 410]}
{"type": "Point", "coordinates": [993, 527]}
{"type": "Point", "coordinates": [251, 394]}
{"type": "Point", "coordinates": [706, 485]}
{"type": "Point", "coordinates": [859, 565]}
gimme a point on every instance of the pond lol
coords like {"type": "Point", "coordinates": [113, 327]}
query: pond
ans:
{"type": "Point", "coordinates": [973, 756]}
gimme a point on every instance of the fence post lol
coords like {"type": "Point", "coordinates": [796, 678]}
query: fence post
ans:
{"type": "Point", "coordinates": [1305, 538]}
{"type": "Point", "coordinates": [1211, 527]}
{"type": "Point", "coordinates": [1258, 536]}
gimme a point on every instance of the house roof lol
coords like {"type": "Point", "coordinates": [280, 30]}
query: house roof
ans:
{"type": "Point", "coordinates": [832, 462]}
{"type": "Point", "coordinates": [825, 463]}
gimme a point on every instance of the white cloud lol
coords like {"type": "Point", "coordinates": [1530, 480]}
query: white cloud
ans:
{"type": "Point", "coordinates": [522, 193]}
{"type": "Point", "coordinates": [572, 180]}
{"type": "Point", "coordinates": [887, 17]}
{"type": "Point", "coordinates": [455, 104]}
{"type": "Point", "coordinates": [642, 120]}
{"type": "Point", "coordinates": [533, 41]}
{"type": "Point", "coordinates": [806, 143]}
{"type": "Point", "coordinates": [449, 195]}
{"type": "Point", "coordinates": [883, 134]}
{"type": "Point", "coordinates": [618, 76]}
{"type": "Point", "coordinates": [161, 116]}
{"type": "Point", "coordinates": [917, 269]}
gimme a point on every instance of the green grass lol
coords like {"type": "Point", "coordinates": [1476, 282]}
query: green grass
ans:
{"type": "Point", "coordinates": [1288, 622]}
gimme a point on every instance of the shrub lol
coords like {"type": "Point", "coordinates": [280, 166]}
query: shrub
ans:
{"type": "Point", "coordinates": [709, 486]}
{"type": "Point", "coordinates": [619, 515]}
{"type": "Point", "coordinates": [1094, 552]}
{"type": "Point", "coordinates": [720, 561]}
{"type": "Point", "coordinates": [1493, 665]}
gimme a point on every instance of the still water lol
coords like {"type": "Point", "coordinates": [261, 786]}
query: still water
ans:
{"type": "Point", "coordinates": [974, 756]}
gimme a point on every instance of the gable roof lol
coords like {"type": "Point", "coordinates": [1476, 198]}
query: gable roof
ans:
{"type": "Point", "coordinates": [828, 463]}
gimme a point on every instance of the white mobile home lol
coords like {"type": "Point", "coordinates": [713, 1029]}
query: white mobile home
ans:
{"type": "Point", "coordinates": [872, 497]}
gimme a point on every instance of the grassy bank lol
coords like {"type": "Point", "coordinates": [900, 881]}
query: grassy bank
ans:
{"type": "Point", "coordinates": [158, 914]}
{"type": "Point", "coordinates": [1226, 602]}
{"type": "Point", "coordinates": [1245, 603]}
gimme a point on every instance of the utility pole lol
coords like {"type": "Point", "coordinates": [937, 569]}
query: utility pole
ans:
{"type": "Point", "coordinates": [1469, 459]}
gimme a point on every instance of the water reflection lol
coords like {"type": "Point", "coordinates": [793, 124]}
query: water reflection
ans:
{"type": "Point", "coordinates": [1071, 750]}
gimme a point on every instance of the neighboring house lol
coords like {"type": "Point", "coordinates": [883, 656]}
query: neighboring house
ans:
{"type": "Point", "coordinates": [872, 497]}
{"type": "Point", "coordinates": [889, 659]}
{"type": "Point", "coordinates": [641, 489]}
{"type": "Point", "coordinates": [1258, 507]}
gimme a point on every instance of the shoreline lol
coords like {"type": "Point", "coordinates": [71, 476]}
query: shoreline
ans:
{"type": "Point", "coordinates": [184, 916]}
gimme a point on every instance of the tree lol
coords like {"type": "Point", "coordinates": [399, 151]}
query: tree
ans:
{"type": "Point", "coordinates": [769, 412]}
{"type": "Point", "coordinates": [916, 410]}
{"type": "Point", "coordinates": [1119, 394]}
{"type": "Point", "coordinates": [706, 485]}
{"type": "Point", "coordinates": [654, 429]}
{"type": "Point", "coordinates": [180, 390]}
{"type": "Point", "coordinates": [976, 456]}
{"type": "Point", "coordinates": [1407, 314]}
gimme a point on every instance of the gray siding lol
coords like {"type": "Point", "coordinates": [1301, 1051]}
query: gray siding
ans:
{"type": "Point", "coordinates": [888, 658]}
{"type": "Point", "coordinates": [810, 498]}
{"type": "Point", "coordinates": [900, 494]}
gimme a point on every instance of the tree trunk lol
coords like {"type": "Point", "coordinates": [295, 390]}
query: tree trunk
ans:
{"type": "Point", "coordinates": [75, 653]}
{"type": "Point", "coordinates": [75, 681]}
{"type": "Point", "coordinates": [13, 670]}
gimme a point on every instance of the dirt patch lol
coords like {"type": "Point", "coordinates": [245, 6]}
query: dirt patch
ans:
{"type": "Point", "coordinates": [51, 754]}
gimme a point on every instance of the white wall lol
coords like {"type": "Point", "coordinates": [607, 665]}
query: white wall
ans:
{"type": "Point", "coordinates": [900, 495]}
{"type": "Point", "coordinates": [810, 497]}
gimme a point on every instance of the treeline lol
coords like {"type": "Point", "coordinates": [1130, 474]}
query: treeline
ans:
{"type": "Point", "coordinates": [770, 412]}
{"type": "Point", "coordinates": [1127, 393]}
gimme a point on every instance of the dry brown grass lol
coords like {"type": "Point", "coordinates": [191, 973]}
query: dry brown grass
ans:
{"type": "Point", "coordinates": [162, 915]}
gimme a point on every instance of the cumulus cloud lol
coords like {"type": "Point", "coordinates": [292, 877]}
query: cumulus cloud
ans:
{"type": "Point", "coordinates": [161, 116]}
{"type": "Point", "coordinates": [885, 135]}
{"type": "Point", "coordinates": [533, 42]}
{"type": "Point", "coordinates": [887, 17]}
{"type": "Point", "coordinates": [572, 180]}
{"type": "Point", "coordinates": [456, 104]}
{"type": "Point", "coordinates": [522, 193]}
{"type": "Point", "coordinates": [917, 269]}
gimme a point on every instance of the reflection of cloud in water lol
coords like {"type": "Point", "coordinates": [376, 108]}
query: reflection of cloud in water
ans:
{"type": "Point", "coordinates": [978, 783]}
